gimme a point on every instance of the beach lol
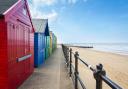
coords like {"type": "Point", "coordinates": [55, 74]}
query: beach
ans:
{"type": "Point", "coordinates": [115, 65]}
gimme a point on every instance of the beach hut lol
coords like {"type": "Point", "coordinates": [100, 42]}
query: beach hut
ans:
{"type": "Point", "coordinates": [51, 39]}
{"type": "Point", "coordinates": [47, 49]}
{"type": "Point", "coordinates": [54, 42]}
{"type": "Point", "coordinates": [16, 43]}
{"type": "Point", "coordinates": [41, 31]}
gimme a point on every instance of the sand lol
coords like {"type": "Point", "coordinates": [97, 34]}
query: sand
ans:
{"type": "Point", "coordinates": [116, 67]}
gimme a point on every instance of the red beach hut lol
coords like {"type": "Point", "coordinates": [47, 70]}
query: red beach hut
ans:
{"type": "Point", "coordinates": [16, 43]}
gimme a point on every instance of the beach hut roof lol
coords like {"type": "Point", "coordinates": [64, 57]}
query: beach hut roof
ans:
{"type": "Point", "coordinates": [41, 26]}
{"type": "Point", "coordinates": [8, 5]}
{"type": "Point", "coordinates": [5, 5]}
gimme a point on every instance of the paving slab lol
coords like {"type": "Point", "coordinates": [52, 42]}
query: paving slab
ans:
{"type": "Point", "coordinates": [52, 75]}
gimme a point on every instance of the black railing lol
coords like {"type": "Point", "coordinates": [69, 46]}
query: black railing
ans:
{"type": "Point", "coordinates": [98, 72]}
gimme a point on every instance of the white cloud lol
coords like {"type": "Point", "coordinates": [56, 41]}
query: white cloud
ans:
{"type": "Point", "coordinates": [52, 16]}
{"type": "Point", "coordinates": [36, 12]}
{"type": "Point", "coordinates": [75, 1]}
{"type": "Point", "coordinates": [45, 2]}
{"type": "Point", "coordinates": [72, 1]}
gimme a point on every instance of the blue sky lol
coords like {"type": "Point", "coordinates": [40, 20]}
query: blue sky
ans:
{"type": "Point", "coordinates": [84, 21]}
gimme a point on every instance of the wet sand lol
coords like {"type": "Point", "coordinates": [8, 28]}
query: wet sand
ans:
{"type": "Point", "coordinates": [116, 67]}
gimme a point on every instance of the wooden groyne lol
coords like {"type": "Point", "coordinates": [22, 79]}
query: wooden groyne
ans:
{"type": "Point", "coordinates": [81, 46]}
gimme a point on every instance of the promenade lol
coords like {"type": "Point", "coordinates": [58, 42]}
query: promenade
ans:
{"type": "Point", "coordinates": [52, 75]}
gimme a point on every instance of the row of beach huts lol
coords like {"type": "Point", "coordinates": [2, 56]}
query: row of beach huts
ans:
{"type": "Point", "coordinates": [45, 41]}
{"type": "Point", "coordinates": [25, 43]}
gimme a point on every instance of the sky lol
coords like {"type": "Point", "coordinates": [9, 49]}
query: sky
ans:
{"type": "Point", "coordinates": [84, 21]}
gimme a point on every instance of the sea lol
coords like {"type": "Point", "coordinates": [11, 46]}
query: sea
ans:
{"type": "Point", "coordinates": [117, 48]}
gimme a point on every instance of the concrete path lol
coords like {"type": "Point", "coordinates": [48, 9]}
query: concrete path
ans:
{"type": "Point", "coordinates": [51, 75]}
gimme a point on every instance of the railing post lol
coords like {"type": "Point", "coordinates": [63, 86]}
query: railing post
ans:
{"type": "Point", "coordinates": [97, 75]}
{"type": "Point", "coordinates": [76, 69]}
{"type": "Point", "coordinates": [70, 73]}
{"type": "Point", "coordinates": [67, 56]}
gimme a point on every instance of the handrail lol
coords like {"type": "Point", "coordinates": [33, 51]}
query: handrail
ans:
{"type": "Point", "coordinates": [110, 82]}
{"type": "Point", "coordinates": [99, 73]}
{"type": "Point", "coordinates": [88, 65]}
{"type": "Point", "coordinates": [73, 53]}
{"type": "Point", "coordinates": [82, 84]}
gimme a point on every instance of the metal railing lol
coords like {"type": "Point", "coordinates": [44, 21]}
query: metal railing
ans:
{"type": "Point", "coordinates": [99, 73]}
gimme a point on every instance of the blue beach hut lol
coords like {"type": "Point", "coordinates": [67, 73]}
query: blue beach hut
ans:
{"type": "Point", "coordinates": [41, 31]}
